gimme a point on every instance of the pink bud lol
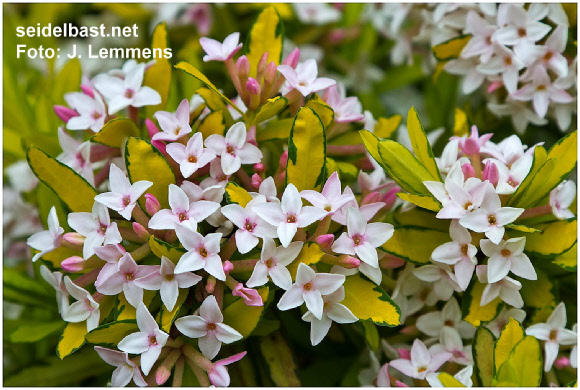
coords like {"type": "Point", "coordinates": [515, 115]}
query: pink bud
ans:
{"type": "Point", "coordinates": [152, 130]}
{"type": "Point", "coordinates": [259, 168]}
{"type": "Point", "coordinates": [371, 197]}
{"type": "Point", "coordinates": [88, 90]}
{"type": "Point", "coordinates": [493, 86]}
{"type": "Point", "coordinates": [292, 58]}
{"type": "Point", "coordinates": [270, 73]}
{"type": "Point", "coordinates": [284, 159]}
{"type": "Point", "coordinates": [325, 240]}
{"type": "Point", "coordinates": [162, 375]}
{"type": "Point", "coordinates": [470, 147]}
{"type": "Point", "coordinates": [256, 181]}
{"type": "Point", "coordinates": [252, 86]}
{"type": "Point", "coordinates": [141, 231]}
{"type": "Point", "coordinates": [404, 353]}
{"type": "Point", "coordinates": [249, 295]}
{"type": "Point", "coordinates": [74, 238]}
{"type": "Point", "coordinates": [243, 66]}
{"type": "Point", "coordinates": [262, 64]}
{"type": "Point", "coordinates": [251, 136]}
{"type": "Point", "coordinates": [65, 113]}
{"type": "Point", "coordinates": [390, 197]}
{"type": "Point", "coordinates": [562, 362]}
{"type": "Point", "coordinates": [72, 264]}
{"type": "Point", "coordinates": [491, 173]}
{"type": "Point", "coordinates": [228, 266]}
{"type": "Point", "coordinates": [391, 262]}
{"type": "Point", "coordinates": [468, 170]}
{"type": "Point", "coordinates": [337, 35]}
{"type": "Point", "coordinates": [398, 383]}
{"type": "Point", "coordinates": [151, 204]}
{"type": "Point", "coordinates": [348, 262]}
{"type": "Point", "coordinates": [409, 330]}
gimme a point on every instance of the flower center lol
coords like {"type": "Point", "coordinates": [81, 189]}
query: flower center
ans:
{"type": "Point", "coordinates": [327, 208]}
{"type": "Point", "coordinates": [488, 40]}
{"type": "Point", "coordinates": [182, 217]}
{"type": "Point", "coordinates": [512, 182]}
{"type": "Point", "coordinates": [152, 340]}
{"type": "Point", "coordinates": [126, 201]}
{"type": "Point", "coordinates": [422, 369]}
{"type": "Point", "coordinates": [103, 228]}
{"type": "Point", "coordinates": [192, 159]}
{"type": "Point", "coordinates": [548, 56]}
{"type": "Point", "coordinates": [202, 252]}
{"type": "Point", "coordinates": [541, 87]}
{"type": "Point", "coordinates": [129, 276]}
{"type": "Point", "coordinates": [129, 93]}
{"type": "Point", "coordinates": [464, 249]}
{"type": "Point", "coordinates": [291, 219]}
{"type": "Point", "coordinates": [269, 263]}
{"type": "Point", "coordinates": [449, 323]}
{"type": "Point", "coordinates": [507, 61]}
{"type": "Point", "coordinates": [249, 226]}
{"type": "Point", "coordinates": [357, 240]}
{"type": "Point", "coordinates": [177, 130]}
{"type": "Point", "coordinates": [307, 286]}
{"type": "Point", "coordinates": [96, 115]}
{"type": "Point", "coordinates": [491, 219]}
{"type": "Point", "coordinates": [553, 335]}
{"type": "Point", "coordinates": [505, 252]}
{"type": "Point", "coordinates": [467, 205]}
{"type": "Point", "coordinates": [211, 326]}
{"type": "Point", "coordinates": [230, 149]}
{"type": "Point", "coordinates": [169, 278]}
{"type": "Point", "coordinates": [522, 32]}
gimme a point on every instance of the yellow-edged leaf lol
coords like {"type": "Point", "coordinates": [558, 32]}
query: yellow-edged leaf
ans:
{"type": "Point", "coordinates": [242, 317]}
{"type": "Point", "coordinates": [385, 127]}
{"type": "Point", "coordinates": [510, 335]}
{"type": "Point", "coordinates": [266, 35]}
{"type": "Point", "coordinates": [522, 228]}
{"type": "Point", "coordinates": [367, 301]}
{"type": "Point", "coordinates": [145, 162]}
{"type": "Point", "coordinates": [543, 304]}
{"type": "Point", "coordinates": [448, 381]}
{"type": "Point", "coordinates": [276, 129]}
{"type": "Point", "coordinates": [71, 188]}
{"type": "Point", "coordinates": [404, 168]}
{"type": "Point", "coordinates": [460, 126]}
{"type": "Point", "coordinates": [158, 76]}
{"type": "Point", "coordinates": [540, 157]}
{"type": "Point", "coordinates": [72, 339]}
{"type": "Point", "coordinates": [109, 335]}
{"type": "Point", "coordinates": [270, 108]}
{"type": "Point", "coordinates": [539, 186]}
{"type": "Point", "coordinates": [523, 367]}
{"type": "Point", "coordinates": [553, 239]}
{"type": "Point", "coordinates": [321, 108]}
{"type": "Point", "coordinates": [67, 80]}
{"type": "Point", "coordinates": [214, 123]}
{"type": "Point", "coordinates": [482, 349]}
{"type": "Point", "coordinates": [124, 310]}
{"type": "Point", "coordinates": [471, 308]}
{"type": "Point", "coordinates": [420, 143]}
{"type": "Point", "coordinates": [161, 248]}
{"type": "Point", "coordinates": [306, 151]}
{"type": "Point", "coordinates": [568, 260]}
{"type": "Point", "coordinates": [415, 244]}
{"type": "Point", "coordinates": [237, 195]}
{"type": "Point", "coordinates": [346, 171]}
{"type": "Point", "coordinates": [115, 132]}
{"type": "Point", "coordinates": [424, 201]}
{"type": "Point", "coordinates": [310, 254]}
{"type": "Point", "coordinates": [371, 143]}
{"type": "Point", "coordinates": [166, 317]}
{"type": "Point", "coordinates": [451, 48]}
{"type": "Point", "coordinates": [565, 152]}
{"type": "Point", "coordinates": [420, 218]}
{"type": "Point", "coordinates": [213, 101]}
{"type": "Point", "coordinates": [278, 357]}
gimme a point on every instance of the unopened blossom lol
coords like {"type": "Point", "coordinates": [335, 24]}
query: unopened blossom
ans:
{"type": "Point", "coordinates": [504, 63]}
{"type": "Point", "coordinates": [288, 215]}
{"type": "Point", "coordinates": [202, 253]}
{"type": "Point", "coordinates": [250, 296]}
{"type": "Point", "coordinates": [561, 198]}
{"type": "Point", "coordinates": [125, 369]}
{"type": "Point", "coordinates": [148, 342]}
{"type": "Point", "coordinates": [127, 92]}
{"type": "Point", "coordinates": [174, 126]}
{"type": "Point", "coordinates": [233, 149]}
{"type": "Point", "coordinates": [491, 218]}
{"type": "Point", "coordinates": [208, 328]}
{"type": "Point", "coordinates": [450, 341]}
{"type": "Point", "coordinates": [218, 375]}
{"type": "Point", "coordinates": [333, 310]}
{"type": "Point", "coordinates": [56, 281]}
{"type": "Point", "coordinates": [192, 156]}
{"type": "Point", "coordinates": [305, 77]}
{"type": "Point", "coordinates": [84, 309]}
{"type": "Point", "coordinates": [362, 238]}
{"type": "Point", "coordinates": [346, 109]}
{"type": "Point", "coordinates": [331, 199]}
{"type": "Point", "coordinates": [250, 226]}
{"type": "Point", "coordinates": [309, 287]}
{"type": "Point", "coordinates": [217, 51]}
{"type": "Point", "coordinates": [368, 210]}
{"type": "Point", "coordinates": [432, 323]}
{"type": "Point", "coordinates": [47, 240]}
{"type": "Point", "coordinates": [444, 281]}
{"type": "Point", "coordinates": [505, 257]}
{"type": "Point", "coordinates": [422, 361]}
{"type": "Point", "coordinates": [507, 289]}
{"type": "Point", "coordinates": [96, 227]}
{"type": "Point", "coordinates": [124, 280]}
{"type": "Point", "coordinates": [554, 333]}
{"type": "Point", "coordinates": [459, 252]}
{"type": "Point", "coordinates": [463, 377]}
{"type": "Point", "coordinates": [472, 145]}
{"type": "Point", "coordinates": [123, 195]}
{"type": "Point", "coordinates": [76, 155]}
{"type": "Point", "coordinates": [182, 212]}
{"type": "Point", "coordinates": [499, 322]}
{"type": "Point", "coordinates": [273, 262]}
{"type": "Point", "coordinates": [167, 282]}
{"type": "Point", "coordinates": [92, 111]}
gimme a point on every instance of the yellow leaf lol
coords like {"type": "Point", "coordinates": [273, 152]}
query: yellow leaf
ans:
{"type": "Point", "coordinates": [460, 127]}
{"type": "Point", "coordinates": [145, 162]}
{"type": "Point", "coordinates": [554, 238]}
{"type": "Point", "coordinates": [166, 317]}
{"type": "Point", "coordinates": [109, 335]}
{"type": "Point", "coordinates": [158, 76]}
{"type": "Point", "coordinates": [192, 71]}
{"type": "Point", "coordinates": [71, 188]}
{"type": "Point", "coordinates": [371, 143]}
{"type": "Point", "coordinates": [510, 335]}
{"type": "Point", "coordinates": [449, 381]}
{"type": "Point", "coordinates": [543, 303]}
{"type": "Point", "coordinates": [367, 301]}
{"type": "Point", "coordinates": [213, 101]}
{"type": "Point", "coordinates": [270, 108]}
{"type": "Point", "coordinates": [242, 317]}
{"type": "Point", "coordinates": [523, 367]}
{"type": "Point", "coordinates": [385, 127]}
{"type": "Point", "coordinates": [482, 347]}
{"type": "Point", "coordinates": [420, 143]}
{"type": "Point", "coordinates": [72, 339]}
{"type": "Point", "coordinates": [321, 108]}
{"type": "Point", "coordinates": [539, 186]}
{"type": "Point", "coordinates": [278, 357]}
{"type": "Point", "coordinates": [310, 254]}
{"type": "Point", "coordinates": [214, 123]}
{"type": "Point", "coordinates": [565, 152]}
{"type": "Point", "coordinates": [266, 36]}
{"type": "Point", "coordinates": [404, 168]}
{"type": "Point", "coordinates": [540, 157]}
{"type": "Point", "coordinates": [522, 228]}
{"type": "Point", "coordinates": [237, 195]}
{"type": "Point", "coordinates": [124, 310]}
{"type": "Point", "coordinates": [425, 201]}
{"type": "Point", "coordinates": [306, 151]}
{"type": "Point", "coordinates": [161, 248]}
{"type": "Point", "coordinates": [275, 129]}
{"type": "Point", "coordinates": [568, 260]}
{"type": "Point", "coordinates": [451, 48]}
{"type": "Point", "coordinates": [115, 132]}
{"type": "Point", "coordinates": [415, 244]}
{"type": "Point", "coordinates": [472, 310]}
{"type": "Point", "coordinates": [346, 171]}
{"type": "Point", "coordinates": [420, 218]}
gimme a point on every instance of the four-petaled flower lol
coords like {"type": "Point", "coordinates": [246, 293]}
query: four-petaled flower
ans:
{"type": "Point", "coordinates": [273, 263]}
{"type": "Point", "coordinates": [47, 240]}
{"type": "Point", "coordinates": [125, 369]}
{"type": "Point", "coordinates": [92, 112]}
{"type": "Point", "coordinates": [305, 77]}
{"type": "Point", "coordinates": [202, 253]}
{"type": "Point", "coordinates": [174, 126]}
{"type": "Point", "coordinates": [233, 149]}
{"type": "Point", "coordinates": [192, 156]}
{"type": "Point", "coordinates": [96, 227]}
{"type": "Point", "coordinates": [331, 199]}
{"type": "Point", "coordinates": [85, 308]}
{"type": "Point", "coordinates": [505, 257]}
{"type": "Point", "coordinates": [217, 51]}
{"type": "Point", "coordinates": [422, 361]}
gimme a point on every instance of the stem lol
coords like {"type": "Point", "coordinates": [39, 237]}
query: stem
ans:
{"type": "Point", "coordinates": [300, 235]}
{"type": "Point", "coordinates": [178, 373]}
{"type": "Point", "coordinates": [129, 234]}
{"type": "Point", "coordinates": [552, 379]}
{"type": "Point", "coordinates": [345, 150]}
{"type": "Point", "coordinates": [536, 212]}
{"type": "Point", "coordinates": [476, 163]}
{"type": "Point", "coordinates": [133, 113]}
{"type": "Point", "coordinates": [245, 179]}
{"type": "Point", "coordinates": [229, 248]}
{"type": "Point", "coordinates": [141, 252]}
{"type": "Point", "coordinates": [102, 175]}
{"type": "Point", "coordinates": [231, 282]}
{"type": "Point", "coordinates": [322, 227]}
{"type": "Point", "coordinates": [141, 218]}
{"type": "Point", "coordinates": [196, 358]}
{"type": "Point", "coordinates": [244, 265]}
{"type": "Point", "coordinates": [218, 293]}
{"type": "Point", "coordinates": [231, 66]}
{"type": "Point", "coordinates": [87, 278]}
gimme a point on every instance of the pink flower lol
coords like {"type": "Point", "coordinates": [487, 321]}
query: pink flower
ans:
{"type": "Point", "coordinates": [125, 369]}
{"type": "Point", "coordinates": [96, 227]}
{"type": "Point", "coordinates": [331, 199]}
{"type": "Point", "coordinates": [218, 375]}
{"type": "Point", "coordinates": [346, 109]}
{"type": "Point", "coordinates": [217, 51]}
{"type": "Point", "coordinates": [202, 253]}
{"type": "Point", "coordinates": [233, 149]}
{"type": "Point", "coordinates": [192, 156]}
{"type": "Point", "coordinates": [92, 112]}
{"type": "Point", "coordinates": [174, 126]}
{"type": "Point", "coordinates": [250, 296]}
{"type": "Point", "coordinates": [422, 361]}
{"type": "Point", "coordinates": [305, 77]}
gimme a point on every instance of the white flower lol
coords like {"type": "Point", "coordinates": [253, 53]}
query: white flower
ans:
{"type": "Point", "coordinates": [85, 308]}
{"type": "Point", "coordinates": [233, 149]}
{"type": "Point", "coordinates": [463, 376]}
{"type": "Point", "coordinates": [148, 342]}
{"type": "Point", "coordinates": [551, 52]}
{"type": "Point", "coordinates": [333, 310]}
{"type": "Point", "coordinates": [47, 240]}
{"type": "Point", "coordinates": [472, 79]}
{"type": "Point", "coordinates": [444, 282]}
{"type": "Point", "coordinates": [331, 199]}
{"type": "Point", "coordinates": [217, 51]}
{"type": "Point", "coordinates": [273, 263]}
{"type": "Point", "coordinates": [76, 155]}
{"type": "Point", "coordinates": [305, 77]}
{"type": "Point", "coordinates": [208, 327]}
{"type": "Point", "coordinates": [450, 341]}
{"type": "Point", "coordinates": [125, 368]}
{"type": "Point", "coordinates": [499, 322]}
{"type": "Point", "coordinates": [506, 63]}
{"type": "Point", "coordinates": [511, 177]}
{"type": "Point", "coordinates": [422, 361]}
{"type": "Point", "coordinates": [202, 252]}
{"type": "Point", "coordinates": [505, 257]}
{"type": "Point", "coordinates": [561, 199]}
{"type": "Point", "coordinates": [174, 126]}
{"type": "Point", "coordinates": [554, 333]}
{"type": "Point", "coordinates": [92, 111]}
{"type": "Point", "coordinates": [432, 323]}
{"type": "Point", "coordinates": [96, 227]}
{"type": "Point", "coordinates": [192, 156]}
{"type": "Point", "coordinates": [481, 32]}
{"type": "Point", "coordinates": [507, 289]}
{"type": "Point", "coordinates": [21, 177]}
{"type": "Point", "coordinates": [309, 287]}
{"type": "Point", "coordinates": [56, 281]}
{"type": "Point", "coordinates": [519, 114]}
{"type": "Point", "coordinates": [368, 210]}
{"type": "Point", "coordinates": [316, 13]}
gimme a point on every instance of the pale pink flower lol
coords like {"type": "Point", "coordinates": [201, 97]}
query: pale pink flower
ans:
{"type": "Point", "coordinates": [96, 227]}
{"type": "Point", "coordinates": [47, 240]}
{"type": "Point", "coordinates": [202, 253]}
{"type": "Point", "coordinates": [217, 51]}
{"type": "Point", "coordinates": [273, 263]}
{"type": "Point", "coordinates": [125, 369]}
{"type": "Point", "coordinates": [422, 361]}
{"type": "Point", "coordinates": [331, 199]}
{"type": "Point", "coordinates": [305, 77]}
{"type": "Point", "coordinates": [92, 112]}
{"type": "Point", "coordinates": [174, 126]}
{"type": "Point", "coordinates": [192, 156]}
{"type": "Point", "coordinates": [233, 149]}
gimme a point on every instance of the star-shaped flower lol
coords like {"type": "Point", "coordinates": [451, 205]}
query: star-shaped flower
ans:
{"type": "Point", "coordinates": [174, 126]}
{"type": "Point", "coordinates": [47, 240]}
{"type": "Point", "coordinates": [273, 263]}
{"type": "Point", "coordinates": [202, 253]}
{"type": "Point", "coordinates": [217, 51]}
{"type": "Point", "coordinates": [331, 199]}
{"type": "Point", "coordinates": [192, 156]}
{"type": "Point", "coordinates": [96, 227]}
{"type": "Point", "coordinates": [125, 368]}
{"type": "Point", "coordinates": [305, 77]}
{"type": "Point", "coordinates": [92, 111]}
{"type": "Point", "coordinates": [422, 362]}
{"type": "Point", "coordinates": [233, 149]}
{"type": "Point", "coordinates": [505, 257]}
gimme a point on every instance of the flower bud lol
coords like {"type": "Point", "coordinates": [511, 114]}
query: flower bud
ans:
{"type": "Point", "coordinates": [270, 73]}
{"type": "Point", "coordinates": [152, 130]}
{"type": "Point", "coordinates": [141, 231]}
{"type": "Point", "coordinates": [252, 86]}
{"type": "Point", "coordinates": [562, 363]}
{"type": "Point", "coordinates": [292, 58]}
{"type": "Point", "coordinates": [391, 262]}
{"type": "Point", "coordinates": [337, 35]}
{"type": "Point", "coordinates": [162, 375]}
{"type": "Point", "coordinates": [494, 85]}
{"type": "Point", "coordinates": [256, 181]}
{"type": "Point", "coordinates": [151, 204]}
{"type": "Point", "coordinates": [391, 197]}
{"type": "Point", "coordinates": [88, 90]}
{"type": "Point", "coordinates": [404, 353]}
{"type": "Point", "coordinates": [74, 238]}
{"type": "Point", "coordinates": [251, 136]}
{"type": "Point", "coordinates": [262, 64]}
{"type": "Point", "coordinates": [371, 197]}
{"type": "Point", "coordinates": [228, 266]}
{"type": "Point", "coordinates": [468, 170]}
{"type": "Point", "coordinates": [249, 295]}
{"type": "Point", "coordinates": [65, 113]}
{"type": "Point", "coordinates": [398, 383]}
{"type": "Point", "coordinates": [243, 66]}
{"type": "Point", "coordinates": [259, 168]}
{"type": "Point", "coordinates": [348, 262]}
{"type": "Point", "coordinates": [284, 160]}
{"type": "Point", "coordinates": [325, 240]}
{"type": "Point", "coordinates": [72, 264]}
{"type": "Point", "coordinates": [491, 173]}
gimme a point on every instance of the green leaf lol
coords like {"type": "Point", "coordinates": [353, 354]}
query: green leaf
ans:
{"type": "Point", "coordinates": [510, 335]}
{"type": "Point", "coordinates": [471, 308]}
{"type": "Point", "coordinates": [109, 335]}
{"type": "Point", "coordinates": [420, 143]}
{"type": "Point", "coordinates": [523, 367]}
{"type": "Point", "coordinates": [237, 195]}
{"type": "Point", "coordinates": [306, 151]}
{"type": "Point", "coordinates": [115, 132]}
{"type": "Point", "coordinates": [415, 244]}
{"type": "Point", "coordinates": [275, 129]}
{"type": "Point", "coordinates": [270, 108]}
{"type": "Point", "coordinates": [424, 201]}
{"type": "Point", "coordinates": [482, 349]}
{"type": "Point", "coordinates": [266, 36]}
{"type": "Point", "coordinates": [522, 228]}
{"type": "Point", "coordinates": [161, 248]}
{"type": "Point", "coordinates": [158, 76]}
{"type": "Point", "coordinates": [568, 260]}
{"type": "Point", "coordinates": [371, 334]}
{"type": "Point", "coordinates": [242, 317]}
{"type": "Point", "coordinates": [145, 162]}
{"type": "Point", "coordinates": [346, 171]}
{"type": "Point", "coordinates": [70, 187]}
{"type": "Point", "coordinates": [540, 157]}
{"type": "Point", "coordinates": [321, 108]}
{"type": "Point", "coordinates": [31, 333]}
{"type": "Point", "coordinates": [542, 303]}
{"type": "Point", "coordinates": [451, 48]}
{"type": "Point", "coordinates": [367, 301]}
{"type": "Point", "coordinates": [213, 101]}
{"type": "Point", "coordinates": [279, 359]}
{"type": "Point", "coordinates": [553, 239]}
